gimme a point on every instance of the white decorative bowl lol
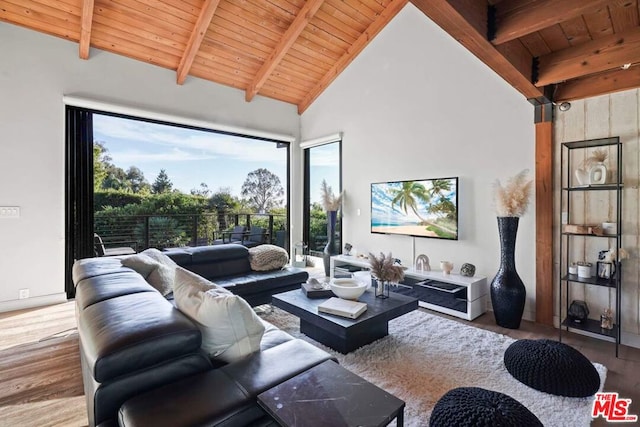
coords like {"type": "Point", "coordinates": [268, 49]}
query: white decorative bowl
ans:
{"type": "Point", "coordinates": [347, 288]}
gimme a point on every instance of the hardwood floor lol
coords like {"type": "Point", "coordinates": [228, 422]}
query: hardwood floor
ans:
{"type": "Point", "coordinates": [41, 383]}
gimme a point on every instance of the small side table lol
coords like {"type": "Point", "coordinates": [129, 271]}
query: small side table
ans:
{"type": "Point", "coordinates": [330, 395]}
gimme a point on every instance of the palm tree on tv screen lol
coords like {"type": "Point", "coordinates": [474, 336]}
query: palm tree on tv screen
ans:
{"type": "Point", "coordinates": [444, 205]}
{"type": "Point", "coordinates": [408, 197]}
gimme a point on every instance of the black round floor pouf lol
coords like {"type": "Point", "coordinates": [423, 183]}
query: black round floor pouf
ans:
{"type": "Point", "coordinates": [552, 367]}
{"type": "Point", "coordinates": [477, 407]}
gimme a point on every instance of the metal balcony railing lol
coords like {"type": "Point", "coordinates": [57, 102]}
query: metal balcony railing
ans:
{"type": "Point", "coordinates": [163, 231]}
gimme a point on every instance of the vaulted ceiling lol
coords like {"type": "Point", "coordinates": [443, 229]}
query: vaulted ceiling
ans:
{"type": "Point", "coordinates": [291, 50]}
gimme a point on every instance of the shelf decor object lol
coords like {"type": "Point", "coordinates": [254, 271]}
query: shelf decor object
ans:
{"type": "Point", "coordinates": [508, 293]}
{"type": "Point", "coordinates": [386, 272]}
{"type": "Point", "coordinates": [586, 240]}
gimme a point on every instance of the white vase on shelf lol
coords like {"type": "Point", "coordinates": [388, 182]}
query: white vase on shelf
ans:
{"type": "Point", "coordinates": [582, 176]}
{"type": "Point", "coordinates": [598, 174]}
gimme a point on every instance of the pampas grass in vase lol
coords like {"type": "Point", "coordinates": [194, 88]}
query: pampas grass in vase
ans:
{"type": "Point", "coordinates": [330, 202]}
{"type": "Point", "coordinates": [513, 198]}
{"type": "Point", "coordinates": [508, 293]}
{"type": "Point", "coordinates": [383, 268]}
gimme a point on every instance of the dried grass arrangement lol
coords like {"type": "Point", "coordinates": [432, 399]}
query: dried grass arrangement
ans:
{"type": "Point", "coordinates": [597, 156]}
{"type": "Point", "coordinates": [384, 268]}
{"type": "Point", "coordinates": [612, 255]}
{"type": "Point", "coordinates": [330, 201]}
{"type": "Point", "coordinates": [513, 198]}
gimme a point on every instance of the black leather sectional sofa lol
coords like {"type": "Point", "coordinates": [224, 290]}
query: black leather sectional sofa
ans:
{"type": "Point", "coordinates": [141, 359]}
{"type": "Point", "coordinates": [228, 266]}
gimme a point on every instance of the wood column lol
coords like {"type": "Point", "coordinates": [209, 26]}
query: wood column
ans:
{"type": "Point", "coordinates": [544, 213]}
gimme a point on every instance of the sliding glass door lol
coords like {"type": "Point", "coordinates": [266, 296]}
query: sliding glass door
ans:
{"type": "Point", "coordinates": [321, 163]}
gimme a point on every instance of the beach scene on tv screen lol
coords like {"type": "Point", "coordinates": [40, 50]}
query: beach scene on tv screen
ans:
{"type": "Point", "coordinates": [426, 208]}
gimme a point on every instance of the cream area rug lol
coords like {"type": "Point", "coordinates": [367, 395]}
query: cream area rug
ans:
{"type": "Point", "coordinates": [425, 356]}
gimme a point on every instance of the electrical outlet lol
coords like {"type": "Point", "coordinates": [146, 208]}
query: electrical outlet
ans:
{"type": "Point", "coordinates": [24, 293]}
{"type": "Point", "coordinates": [9, 211]}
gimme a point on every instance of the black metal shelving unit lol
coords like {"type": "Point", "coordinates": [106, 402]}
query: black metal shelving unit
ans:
{"type": "Point", "coordinates": [590, 327]}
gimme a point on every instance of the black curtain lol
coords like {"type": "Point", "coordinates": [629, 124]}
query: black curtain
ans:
{"type": "Point", "coordinates": [78, 190]}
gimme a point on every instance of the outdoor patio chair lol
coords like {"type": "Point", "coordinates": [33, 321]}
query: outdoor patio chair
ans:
{"type": "Point", "coordinates": [101, 250]}
{"type": "Point", "coordinates": [255, 236]}
{"type": "Point", "coordinates": [236, 235]}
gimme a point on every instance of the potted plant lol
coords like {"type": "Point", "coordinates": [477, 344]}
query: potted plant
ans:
{"type": "Point", "coordinates": [385, 270]}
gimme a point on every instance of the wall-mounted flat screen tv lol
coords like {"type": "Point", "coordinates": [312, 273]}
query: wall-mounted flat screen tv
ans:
{"type": "Point", "coordinates": [422, 208]}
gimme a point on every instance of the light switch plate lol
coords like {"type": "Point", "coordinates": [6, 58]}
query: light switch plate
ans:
{"type": "Point", "coordinates": [9, 211]}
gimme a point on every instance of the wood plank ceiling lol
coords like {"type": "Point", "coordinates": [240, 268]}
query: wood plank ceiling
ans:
{"type": "Point", "coordinates": [291, 50]}
{"type": "Point", "coordinates": [549, 50]}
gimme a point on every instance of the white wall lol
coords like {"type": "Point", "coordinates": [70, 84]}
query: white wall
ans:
{"type": "Point", "coordinates": [415, 104]}
{"type": "Point", "coordinates": [36, 70]}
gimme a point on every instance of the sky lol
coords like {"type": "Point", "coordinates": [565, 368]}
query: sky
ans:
{"type": "Point", "coordinates": [188, 156]}
{"type": "Point", "coordinates": [191, 156]}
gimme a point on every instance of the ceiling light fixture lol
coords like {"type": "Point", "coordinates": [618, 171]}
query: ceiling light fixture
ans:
{"type": "Point", "coordinates": [565, 106]}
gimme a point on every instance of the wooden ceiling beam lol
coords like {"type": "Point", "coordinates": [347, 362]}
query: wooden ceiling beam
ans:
{"type": "Point", "coordinates": [288, 39]}
{"type": "Point", "coordinates": [195, 39]}
{"type": "Point", "coordinates": [517, 18]}
{"type": "Point", "coordinates": [86, 21]}
{"type": "Point", "coordinates": [603, 54]}
{"type": "Point", "coordinates": [453, 18]}
{"type": "Point", "coordinates": [598, 84]}
{"type": "Point", "coordinates": [376, 26]}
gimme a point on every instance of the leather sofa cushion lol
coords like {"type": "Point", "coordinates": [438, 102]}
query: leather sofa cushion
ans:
{"type": "Point", "coordinates": [273, 336]}
{"type": "Point", "coordinates": [99, 288]}
{"type": "Point", "coordinates": [91, 267]}
{"type": "Point", "coordinates": [132, 332]}
{"type": "Point", "coordinates": [217, 253]}
{"type": "Point", "coordinates": [108, 397]}
{"type": "Point", "coordinates": [262, 280]}
{"type": "Point", "coordinates": [224, 396]}
{"type": "Point", "coordinates": [207, 399]}
{"type": "Point", "coordinates": [266, 369]}
{"type": "Point", "coordinates": [213, 270]}
{"type": "Point", "coordinates": [179, 256]}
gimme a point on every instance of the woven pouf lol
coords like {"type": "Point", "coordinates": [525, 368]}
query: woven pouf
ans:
{"type": "Point", "coordinates": [552, 367]}
{"type": "Point", "coordinates": [477, 407]}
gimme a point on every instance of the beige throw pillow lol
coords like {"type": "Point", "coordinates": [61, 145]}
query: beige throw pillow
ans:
{"type": "Point", "coordinates": [157, 255]}
{"type": "Point", "coordinates": [230, 328]}
{"type": "Point", "coordinates": [267, 257]}
{"type": "Point", "coordinates": [157, 275]}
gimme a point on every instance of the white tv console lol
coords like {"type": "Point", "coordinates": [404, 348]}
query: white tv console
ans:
{"type": "Point", "coordinates": [452, 294]}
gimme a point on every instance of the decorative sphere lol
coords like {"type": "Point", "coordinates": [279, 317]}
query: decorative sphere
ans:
{"type": "Point", "coordinates": [467, 270]}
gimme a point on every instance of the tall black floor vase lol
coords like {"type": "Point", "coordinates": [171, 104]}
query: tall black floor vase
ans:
{"type": "Point", "coordinates": [330, 248]}
{"type": "Point", "coordinates": [508, 293]}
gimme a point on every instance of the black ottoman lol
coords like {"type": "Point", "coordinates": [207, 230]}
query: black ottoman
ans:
{"type": "Point", "coordinates": [477, 407]}
{"type": "Point", "coordinates": [552, 367]}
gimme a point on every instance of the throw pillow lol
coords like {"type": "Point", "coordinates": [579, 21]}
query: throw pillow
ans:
{"type": "Point", "coordinates": [230, 328]}
{"type": "Point", "coordinates": [161, 278]}
{"type": "Point", "coordinates": [190, 278]}
{"type": "Point", "coordinates": [156, 274]}
{"type": "Point", "coordinates": [157, 255]}
{"type": "Point", "coordinates": [140, 263]}
{"type": "Point", "coordinates": [267, 257]}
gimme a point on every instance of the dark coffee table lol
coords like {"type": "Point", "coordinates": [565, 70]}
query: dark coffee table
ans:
{"type": "Point", "coordinates": [330, 395]}
{"type": "Point", "coordinates": [339, 333]}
